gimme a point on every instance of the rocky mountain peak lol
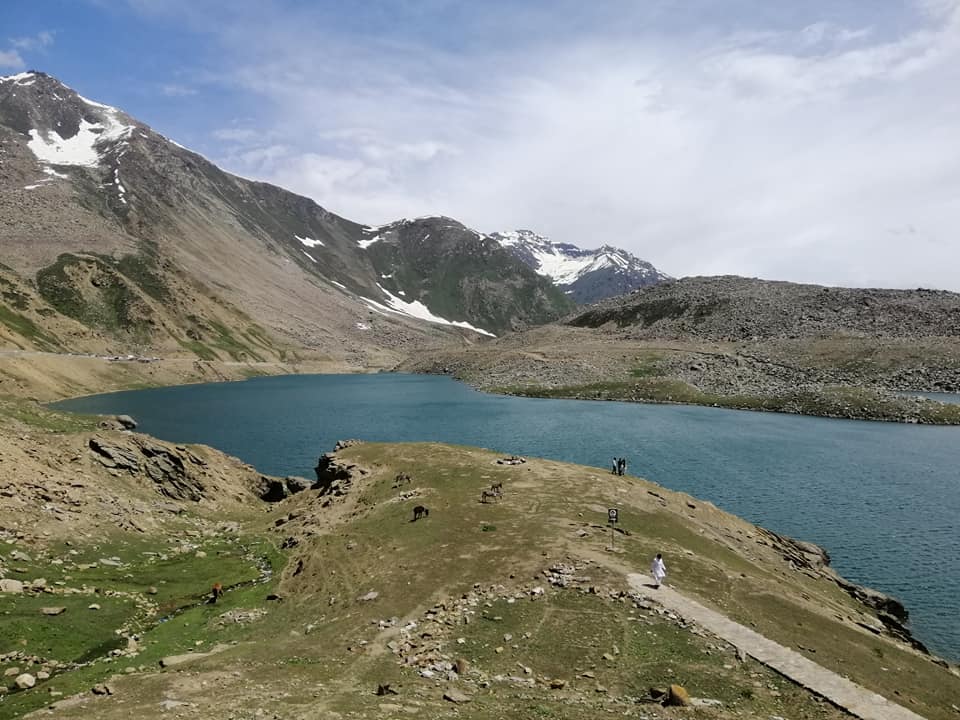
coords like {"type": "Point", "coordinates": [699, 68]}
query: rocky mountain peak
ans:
{"type": "Point", "coordinates": [586, 276]}
{"type": "Point", "coordinates": [64, 127]}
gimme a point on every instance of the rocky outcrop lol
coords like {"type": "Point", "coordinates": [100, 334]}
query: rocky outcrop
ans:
{"type": "Point", "coordinates": [169, 467]}
{"type": "Point", "coordinates": [800, 554]}
{"type": "Point", "coordinates": [334, 475]}
{"type": "Point", "coordinates": [183, 475]}
{"type": "Point", "coordinates": [890, 611]}
{"type": "Point", "coordinates": [815, 561]}
{"type": "Point", "coordinates": [274, 489]}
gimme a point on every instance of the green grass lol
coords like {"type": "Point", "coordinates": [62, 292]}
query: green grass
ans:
{"type": "Point", "coordinates": [183, 622]}
{"type": "Point", "coordinates": [113, 306]}
{"type": "Point", "coordinates": [29, 413]}
{"type": "Point", "coordinates": [225, 341]}
{"type": "Point", "coordinates": [323, 637]}
{"type": "Point", "coordinates": [25, 327]}
{"type": "Point", "coordinates": [199, 349]}
{"type": "Point", "coordinates": [78, 635]}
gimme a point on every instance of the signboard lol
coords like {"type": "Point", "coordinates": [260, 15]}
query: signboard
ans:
{"type": "Point", "coordinates": [613, 516]}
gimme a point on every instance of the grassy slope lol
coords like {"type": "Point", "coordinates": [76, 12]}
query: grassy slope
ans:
{"type": "Point", "coordinates": [322, 648]}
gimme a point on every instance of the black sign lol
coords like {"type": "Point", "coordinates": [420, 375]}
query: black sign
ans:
{"type": "Point", "coordinates": [613, 515]}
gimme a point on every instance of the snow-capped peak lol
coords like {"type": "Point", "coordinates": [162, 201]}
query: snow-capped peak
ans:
{"type": "Point", "coordinates": [68, 129]}
{"type": "Point", "coordinates": [587, 275]}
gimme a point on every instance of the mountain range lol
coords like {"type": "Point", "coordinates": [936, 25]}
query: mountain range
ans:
{"type": "Point", "coordinates": [115, 238]}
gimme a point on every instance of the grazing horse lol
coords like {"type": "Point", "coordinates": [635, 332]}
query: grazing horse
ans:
{"type": "Point", "coordinates": [485, 494]}
{"type": "Point", "coordinates": [402, 479]}
{"type": "Point", "coordinates": [420, 512]}
{"type": "Point", "coordinates": [497, 487]}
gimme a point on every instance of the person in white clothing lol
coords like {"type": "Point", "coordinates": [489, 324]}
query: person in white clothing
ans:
{"type": "Point", "coordinates": [658, 569]}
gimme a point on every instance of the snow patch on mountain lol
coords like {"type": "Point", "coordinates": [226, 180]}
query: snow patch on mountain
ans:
{"type": "Point", "coordinates": [23, 79]}
{"type": "Point", "coordinates": [309, 242]}
{"type": "Point", "coordinates": [418, 310]}
{"type": "Point", "coordinates": [375, 231]}
{"type": "Point", "coordinates": [81, 149]}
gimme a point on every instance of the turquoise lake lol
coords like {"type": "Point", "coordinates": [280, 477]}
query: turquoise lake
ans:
{"type": "Point", "coordinates": [882, 498]}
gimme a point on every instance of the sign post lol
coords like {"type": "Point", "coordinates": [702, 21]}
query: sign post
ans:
{"type": "Point", "coordinates": [613, 517]}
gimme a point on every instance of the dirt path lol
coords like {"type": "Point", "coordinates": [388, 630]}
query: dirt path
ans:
{"type": "Point", "coordinates": [848, 695]}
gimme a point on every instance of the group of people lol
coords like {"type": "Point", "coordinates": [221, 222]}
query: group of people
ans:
{"type": "Point", "coordinates": [619, 466]}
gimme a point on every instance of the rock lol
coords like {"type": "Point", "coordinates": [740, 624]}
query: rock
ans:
{"type": "Point", "coordinates": [385, 689]}
{"type": "Point", "coordinates": [152, 590]}
{"type": "Point", "coordinates": [9, 585]}
{"type": "Point", "coordinates": [20, 556]}
{"type": "Point", "coordinates": [677, 696]}
{"type": "Point", "coordinates": [102, 689]}
{"type": "Point", "coordinates": [10, 672]}
{"type": "Point", "coordinates": [25, 681]}
{"type": "Point", "coordinates": [706, 702]}
{"type": "Point", "coordinates": [372, 595]}
{"type": "Point", "coordinates": [558, 684]}
{"type": "Point", "coordinates": [455, 696]}
{"type": "Point", "coordinates": [126, 422]}
{"type": "Point", "coordinates": [43, 675]}
{"type": "Point", "coordinates": [462, 666]}
{"type": "Point", "coordinates": [53, 610]}
{"type": "Point", "coordinates": [93, 606]}
{"type": "Point", "coordinates": [174, 660]}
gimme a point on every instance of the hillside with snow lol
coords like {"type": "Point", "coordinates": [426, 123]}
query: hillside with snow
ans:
{"type": "Point", "coordinates": [585, 276]}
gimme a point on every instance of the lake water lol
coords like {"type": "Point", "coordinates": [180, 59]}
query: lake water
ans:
{"type": "Point", "coordinates": [883, 498]}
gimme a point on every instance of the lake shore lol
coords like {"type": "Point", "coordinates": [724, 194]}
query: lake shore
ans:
{"type": "Point", "coordinates": [849, 378]}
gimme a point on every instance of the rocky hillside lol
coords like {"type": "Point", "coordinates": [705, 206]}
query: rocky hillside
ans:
{"type": "Point", "coordinates": [116, 239]}
{"type": "Point", "coordinates": [459, 273]}
{"type": "Point", "coordinates": [335, 603]}
{"type": "Point", "coordinates": [735, 308]}
{"type": "Point", "coordinates": [586, 276]}
{"type": "Point", "coordinates": [739, 343]}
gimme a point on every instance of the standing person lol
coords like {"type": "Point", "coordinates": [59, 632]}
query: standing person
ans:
{"type": "Point", "coordinates": [616, 465]}
{"type": "Point", "coordinates": [658, 569]}
{"type": "Point", "coordinates": [623, 465]}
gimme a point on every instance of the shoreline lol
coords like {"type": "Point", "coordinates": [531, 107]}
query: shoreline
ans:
{"type": "Point", "coordinates": [308, 369]}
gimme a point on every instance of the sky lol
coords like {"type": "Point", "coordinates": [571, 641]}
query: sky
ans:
{"type": "Point", "coordinates": [814, 142]}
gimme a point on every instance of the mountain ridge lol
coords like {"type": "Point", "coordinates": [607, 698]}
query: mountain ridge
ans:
{"type": "Point", "coordinates": [586, 276]}
{"type": "Point", "coordinates": [176, 248]}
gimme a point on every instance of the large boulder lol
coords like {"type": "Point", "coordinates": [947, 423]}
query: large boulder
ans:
{"type": "Point", "coordinates": [9, 585]}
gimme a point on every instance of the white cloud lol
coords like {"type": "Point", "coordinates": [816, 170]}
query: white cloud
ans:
{"type": "Point", "coordinates": [792, 146]}
{"type": "Point", "coordinates": [35, 42]}
{"type": "Point", "coordinates": [242, 135]}
{"type": "Point", "coordinates": [177, 90]}
{"type": "Point", "coordinates": [11, 59]}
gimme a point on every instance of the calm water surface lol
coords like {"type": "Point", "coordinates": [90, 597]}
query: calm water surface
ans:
{"type": "Point", "coordinates": [883, 498]}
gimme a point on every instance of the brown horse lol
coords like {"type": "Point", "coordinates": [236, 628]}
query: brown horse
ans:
{"type": "Point", "coordinates": [420, 512]}
{"type": "Point", "coordinates": [497, 487]}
